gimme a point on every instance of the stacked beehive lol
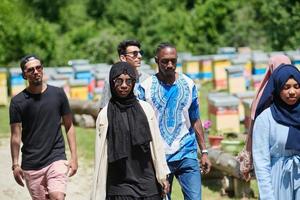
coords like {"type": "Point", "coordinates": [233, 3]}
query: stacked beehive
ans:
{"type": "Point", "coordinates": [3, 86]}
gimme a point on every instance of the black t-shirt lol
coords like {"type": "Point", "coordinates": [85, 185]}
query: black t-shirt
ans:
{"type": "Point", "coordinates": [40, 115]}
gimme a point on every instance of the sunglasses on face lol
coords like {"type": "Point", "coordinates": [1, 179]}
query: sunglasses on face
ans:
{"type": "Point", "coordinates": [31, 70]}
{"type": "Point", "coordinates": [119, 81]}
{"type": "Point", "coordinates": [166, 61]}
{"type": "Point", "coordinates": [135, 53]}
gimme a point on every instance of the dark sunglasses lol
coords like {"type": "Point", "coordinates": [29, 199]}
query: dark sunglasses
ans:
{"type": "Point", "coordinates": [31, 70]}
{"type": "Point", "coordinates": [119, 81]}
{"type": "Point", "coordinates": [135, 53]}
{"type": "Point", "coordinates": [166, 61]}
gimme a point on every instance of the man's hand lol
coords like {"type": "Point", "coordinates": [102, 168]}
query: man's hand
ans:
{"type": "Point", "coordinates": [72, 167]}
{"type": "Point", "coordinates": [205, 164]}
{"type": "Point", "coordinates": [19, 175]}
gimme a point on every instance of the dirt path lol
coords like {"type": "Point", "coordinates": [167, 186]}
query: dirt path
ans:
{"type": "Point", "coordinates": [78, 187]}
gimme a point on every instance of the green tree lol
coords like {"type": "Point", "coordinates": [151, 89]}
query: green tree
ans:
{"type": "Point", "coordinates": [49, 9]}
{"type": "Point", "coordinates": [280, 20]}
{"type": "Point", "coordinates": [96, 8]}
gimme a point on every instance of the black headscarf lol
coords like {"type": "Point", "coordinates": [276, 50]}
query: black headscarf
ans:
{"type": "Point", "coordinates": [288, 115]}
{"type": "Point", "coordinates": [118, 135]}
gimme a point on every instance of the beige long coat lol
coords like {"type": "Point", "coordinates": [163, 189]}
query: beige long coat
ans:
{"type": "Point", "coordinates": [156, 146]}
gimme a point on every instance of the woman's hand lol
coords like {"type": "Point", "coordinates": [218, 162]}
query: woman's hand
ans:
{"type": "Point", "coordinates": [165, 187]}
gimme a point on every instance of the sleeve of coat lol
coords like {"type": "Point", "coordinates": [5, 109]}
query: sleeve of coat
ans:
{"type": "Point", "coordinates": [100, 168]}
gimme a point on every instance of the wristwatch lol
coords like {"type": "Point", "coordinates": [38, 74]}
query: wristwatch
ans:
{"type": "Point", "coordinates": [204, 151]}
{"type": "Point", "coordinates": [14, 166]}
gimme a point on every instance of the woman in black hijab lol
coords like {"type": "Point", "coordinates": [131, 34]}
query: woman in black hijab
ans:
{"type": "Point", "coordinates": [131, 152]}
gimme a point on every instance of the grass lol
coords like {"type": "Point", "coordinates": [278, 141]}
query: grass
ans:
{"type": "Point", "coordinates": [86, 143]}
{"type": "Point", "coordinates": [4, 122]}
{"type": "Point", "coordinates": [205, 88]}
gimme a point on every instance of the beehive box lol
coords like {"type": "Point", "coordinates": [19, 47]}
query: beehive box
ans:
{"type": "Point", "coordinates": [220, 62]}
{"type": "Point", "coordinates": [260, 62]}
{"type": "Point", "coordinates": [243, 96]}
{"type": "Point", "coordinates": [235, 79]}
{"type": "Point", "coordinates": [223, 112]}
{"type": "Point", "coordinates": [256, 81]}
{"type": "Point", "coordinates": [206, 68]}
{"type": "Point", "coordinates": [79, 89]}
{"type": "Point", "coordinates": [191, 67]}
{"type": "Point", "coordinates": [17, 82]}
{"type": "Point", "coordinates": [3, 87]}
{"type": "Point", "coordinates": [245, 61]}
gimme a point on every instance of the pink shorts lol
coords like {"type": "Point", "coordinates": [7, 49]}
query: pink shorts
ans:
{"type": "Point", "coordinates": [52, 178]}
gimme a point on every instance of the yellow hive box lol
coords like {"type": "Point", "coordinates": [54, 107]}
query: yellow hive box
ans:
{"type": "Point", "coordinates": [191, 67]}
{"type": "Point", "coordinates": [79, 89]}
{"type": "Point", "coordinates": [235, 79]}
{"type": "Point", "coordinates": [210, 100]}
{"type": "Point", "coordinates": [236, 84]}
{"type": "Point", "coordinates": [79, 92]}
{"type": "Point", "coordinates": [223, 112]}
{"type": "Point", "coordinates": [248, 67]}
{"type": "Point", "coordinates": [206, 66]}
{"type": "Point", "coordinates": [219, 73]}
{"type": "Point", "coordinates": [3, 79]}
{"type": "Point", "coordinates": [3, 95]}
{"type": "Point", "coordinates": [228, 123]}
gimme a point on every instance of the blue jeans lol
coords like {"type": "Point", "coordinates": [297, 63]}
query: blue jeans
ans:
{"type": "Point", "coordinates": [187, 172]}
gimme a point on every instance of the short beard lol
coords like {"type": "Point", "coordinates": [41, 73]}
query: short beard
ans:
{"type": "Point", "coordinates": [168, 74]}
{"type": "Point", "coordinates": [37, 83]}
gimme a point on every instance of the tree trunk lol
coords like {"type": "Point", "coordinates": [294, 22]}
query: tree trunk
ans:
{"type": "Point", "coordinates": [84, 107]}
{"type": "Point", "coordinates": [224, 162]}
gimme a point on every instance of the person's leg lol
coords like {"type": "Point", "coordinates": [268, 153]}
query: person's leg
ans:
{"type": "Point", "coordinates": [172, 166]}
{"type": "Point", "coordinates": [36, 183]}
{"type": "Point", "coordinates": [57, 180]}
{"type": "Point", "coordinates": [170, 179]}
{"type": "Point", "coordinates": [189, 177]}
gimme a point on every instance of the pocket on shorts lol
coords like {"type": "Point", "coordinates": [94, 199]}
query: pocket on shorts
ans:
{"type": "Point", "coordinates": [60, 167]}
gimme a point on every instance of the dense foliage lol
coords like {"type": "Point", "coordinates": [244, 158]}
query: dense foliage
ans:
{"type": "Point", "coordinates": [59, 30]}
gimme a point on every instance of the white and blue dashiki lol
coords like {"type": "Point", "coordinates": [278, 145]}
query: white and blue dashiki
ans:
{"type": "Point", "coordinates": [277, 169]}
{"type": "Point", "coordinates": [176, 106]}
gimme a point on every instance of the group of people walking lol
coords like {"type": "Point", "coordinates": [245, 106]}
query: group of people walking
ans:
{"type": "Point", "coordinates": [149, 130]}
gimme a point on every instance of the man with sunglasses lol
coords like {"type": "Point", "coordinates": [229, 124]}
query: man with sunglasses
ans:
{"type": "Point", "coordinates": [175, 101]}
{"type": "Point", "coordinates": [36, 114]}
{"type": "Point", "coordinates": [129, 51]}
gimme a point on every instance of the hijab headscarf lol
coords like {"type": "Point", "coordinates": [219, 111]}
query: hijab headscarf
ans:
{"type": "Point", "coordinates": [288, 115]}
{"type": "Point", "coordinates": [274, 62]}
{"type": "Point", "coordinates": [118, 136]}
{"type": "Point", "coordinates": [245, 156]}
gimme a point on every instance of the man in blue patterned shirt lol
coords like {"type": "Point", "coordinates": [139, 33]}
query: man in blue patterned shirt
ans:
{"type": "Point", "coordinates": [175, 101]}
